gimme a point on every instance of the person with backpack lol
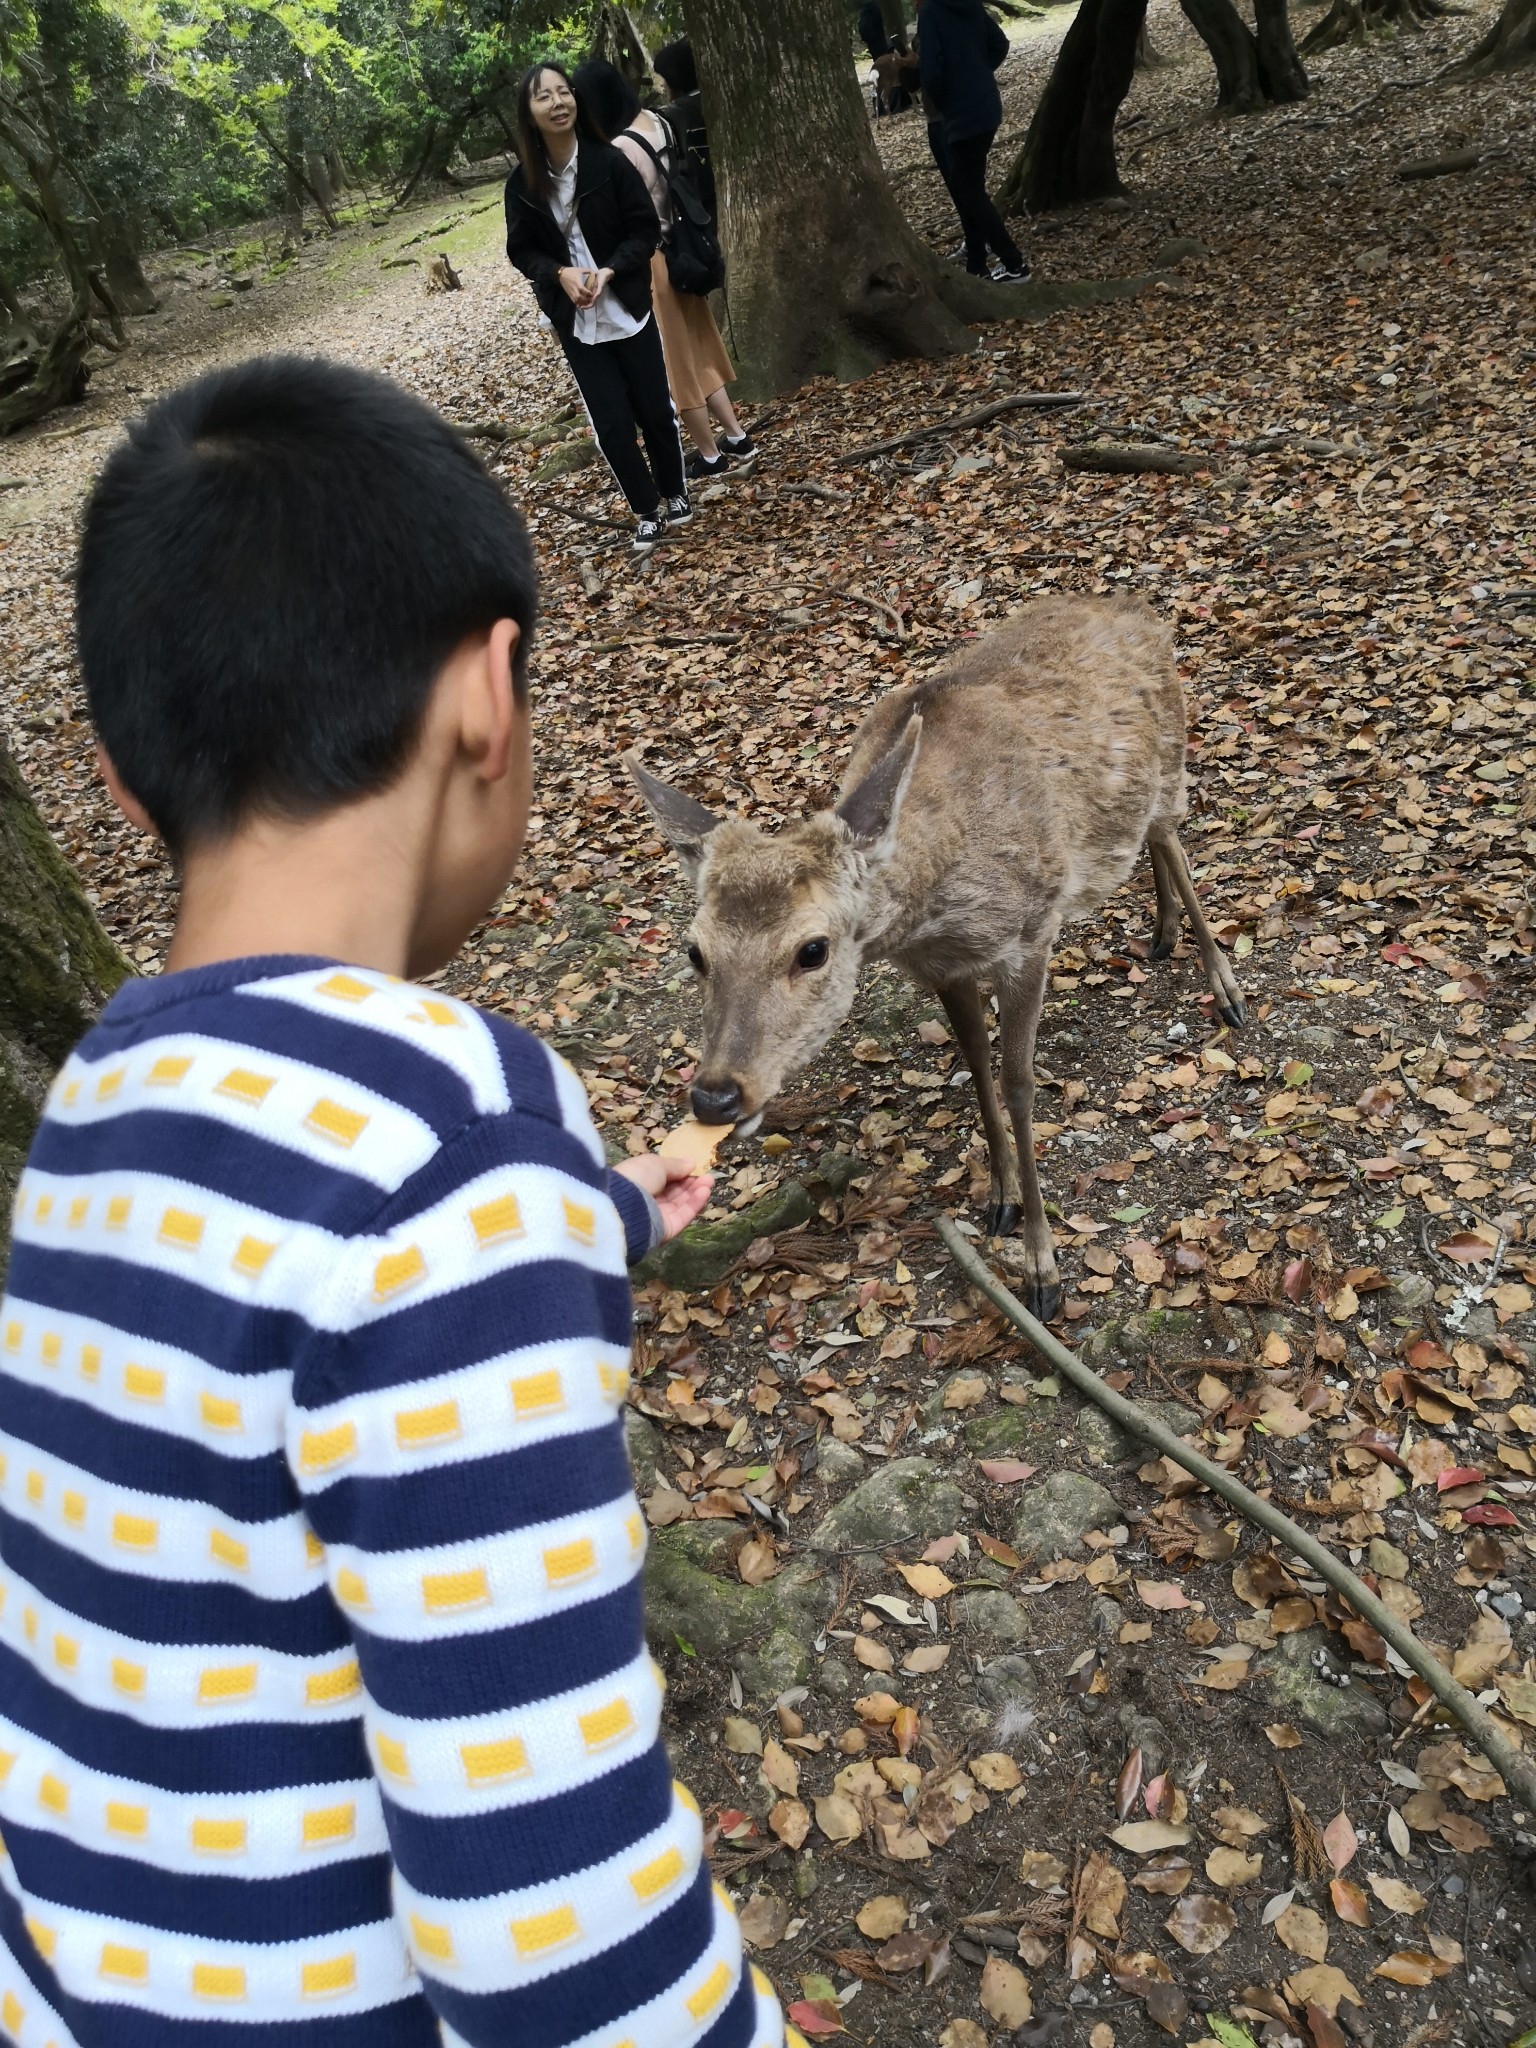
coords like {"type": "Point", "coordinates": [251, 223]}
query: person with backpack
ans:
{"type": "Point", "coordinates": [684, 112]}
{"type": "Point", "coordinates": [959, 47]}
{"type": "Point", "coordinates": [698, 367]}
{"type": "Point", "coordinates": [582, 229]}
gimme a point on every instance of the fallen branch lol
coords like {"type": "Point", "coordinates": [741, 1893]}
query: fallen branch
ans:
{"type": "Point", "coordinates": [813, 491]}
{"type": "Point", "coordinates": [1518, 1772]}
{"type": "Point", "coordinates": [1021, 401]}
{"type": "Point", "coordinates": [1120, 458]}
{"type": "Point", "coordinates": [1457, 160]}
{"type": "Point", "coordinates": [877, 604]}
{"type": "Point", "coordinates": [486, 430]}
{"type": "Point", "coordinates": [669, 640]}
{"type": "Point", "coordinates": [1300, 444]}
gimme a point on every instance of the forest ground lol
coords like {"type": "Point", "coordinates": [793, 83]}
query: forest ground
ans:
{"type": "Point", "coordinates": [1315, 1235]}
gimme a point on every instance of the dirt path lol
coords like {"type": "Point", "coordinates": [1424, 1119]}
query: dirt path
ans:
{"type": "Point", "coordinates": [1316, 1237]}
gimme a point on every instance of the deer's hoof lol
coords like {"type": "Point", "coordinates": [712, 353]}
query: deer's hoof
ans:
{"type": "Point", "coordinates": [1001, 1218]}
{"type": "Point", "coordinates": [1163, 949]}
{"type": "Point", "coordinates": [1234, 1013]}
{"type": "Point", "coordinates": [1043, 1300]}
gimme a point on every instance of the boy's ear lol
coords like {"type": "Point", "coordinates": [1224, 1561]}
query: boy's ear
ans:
{"type": "Point", "coordinates": [122, 795]}
{"type": "Point", "coordinates": [489, 711]}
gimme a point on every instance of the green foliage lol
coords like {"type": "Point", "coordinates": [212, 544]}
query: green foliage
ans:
{"type": "Point", "coordinates": [183, 116]}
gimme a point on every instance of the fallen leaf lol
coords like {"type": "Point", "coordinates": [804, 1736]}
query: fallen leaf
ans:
{"type": "Point", "coordinates": [1200, 1924]}
{"type": "Point", "coordinates": [742, 1738]}
{"type": "Point", "coordinates": [995, 1772]}
{"type": "Point", "coordinates": [1230, 1867]}
{"type": "Point", "coordinates": [816, 2016]}
{"type": "Point", "coordinates": [1349, 1902]}
{"type": "Point", "coordinates": [1041, 1870]}
{"type": "Point", "coordinates": [1004, 1992]}
{"type": "Point", "coordinates": [1283, 1736]}
{"type": "Point", "coordinates": [1162, 1596]}
{"type": "Point", "coordinates": [926, 1580]}
{"type": "Point", "coordinates": [1005, 1471]}
{"type": "Point", "coordinates": [1396, 1896]}
{"type": "Point", "coordinates": [926, 1658]}
{"type": "Point", "coordinates": [872, 1655]}
{"type": "Point", "coordinates": [764, 1920]}
{"type": "Point", "coordinates": [757, 1561]}
{"type": "Point", "coordinates": [791, 1822]}
{"type": "Point", "coordinates": [1322, 1985]}
{"type": "Point", "coordinates": [882, 1916]}
{"type": "Point", "coordinates": [838, 1817]}
{"type": "Point", "coordinates": [1099, 1896]}
{"type": "Point", "coordinates": [1341, 1843]}
{"type": "Point", "coordinates": [968, 1392]}
{"type": "Point", "coordinates": [1303, 1933]}
{"type": "Point", "coordinates": [963, 2034]}
{"type": "Point", "coordinates": [1128, 1784]}
{"type": "Point", "coordinates": [1412, 1966]}
{"type": "Point", "coordinates": [1141, 1837]}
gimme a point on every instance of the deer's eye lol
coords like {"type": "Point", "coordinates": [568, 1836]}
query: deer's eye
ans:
{"type": "Point", "coordinates": [696, 960]}
{"type": "Point", "coordinates": [812, 954]}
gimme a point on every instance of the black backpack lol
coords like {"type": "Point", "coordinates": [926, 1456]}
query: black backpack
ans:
{"type": "Point", "coordinates": [691, 245]}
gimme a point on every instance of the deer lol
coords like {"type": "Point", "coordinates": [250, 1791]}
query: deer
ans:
{"type": "Point", "coordinates": [983, 809]}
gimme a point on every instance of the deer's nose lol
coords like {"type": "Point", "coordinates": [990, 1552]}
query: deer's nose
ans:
{"type": "Point", "coordinates": [716, 1102]}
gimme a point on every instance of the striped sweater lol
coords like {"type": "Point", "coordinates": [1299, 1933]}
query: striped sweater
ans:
{"type": "Point", "coordinates": [326, 1719]}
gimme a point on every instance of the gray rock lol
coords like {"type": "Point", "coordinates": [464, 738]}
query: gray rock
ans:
{"type": "Point", "coordinates": [834, 1681]}
{"type": "Point", "coordinates": [1008, 1681]}
{"type": "Point", "coordinates": [1054, 1518]}
{"type": "Point", "coordinates": [1007, 1434]}
{"type": "Point", "coordinates": [1108, 1618]}
{"type": "Point", "coordinates": [219, 300]}
{"type": "Point", "coordinates": [1180, 250]}
{"type": "Point", "coordinates": [1408, 1293]}
{"type": "Point", "coordinates": [1373, 262]}
{"type": "Point", "coordinates": [784, 1660]}
{"type": "Point", "coordinates": [837, 1462]}
{"type": "Point", "coordinates": [582, 916]}
{"type": "Point", "coordinates": [908, 1499]}
{"type": "Point", "coordinates": [642, 1440]}
{"type": "Point", "coordinates": [1155, 1329]}
{"type": "Point", "coordinates": [1106, 1443]}
{"type": "Point", "coordinates": [1149, 1736]}
{"type": "Point", "coordinates": [562, 461]}
{"type": "Point", "coordinates": [1339, 1713]}
{"type": "Point", "coordinates": [995, 1614]}
{"type": "Point", "coordinates": [691, 1596]}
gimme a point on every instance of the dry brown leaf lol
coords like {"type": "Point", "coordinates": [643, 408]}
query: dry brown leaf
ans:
{"type": "Point", "coordinates": [1231, 1867]}
{"type": "Point", "coordinates": [1041, 1870]}
{"type": "Point", "coordinates": [764, 1920]}
{"type": "Point", "coordinates": [874, 1656]}
{"type": "Point", "coordinates": [838, 1818]}
{"type": "Point", "coordinates": [780, 1769]}
{"type": "Point", "coordinates": [1303, 1933]}
{"type": "Point", "coordinates": [1322, 1985]}
{"type": "Point", "coordinates": [1200, 1924]}
{"type": "Point", "coordinates": [1283, 1736]}
{"type": "Point", "coordinates": [968, 1392]}
{"type": "Point", "coordinates": [1099, 1896]}
{"type": "Point", "coordinates": [926, 1658]}
{"type": "Point", "coordinates": [1341, 1842]}
{"type": "Point", "coordinates": [926, 1580]}
{"type": "Point", "coordinates": [1396, 1896]}
{"type": "Point", "coordinates": [882, 1916]}
{"type": "Point", "coordinates": [1349, 1902]}
{"type": "Point", "coordinates": [741, 1738]}
{"type": "Point", "coordinates": [791, 1822]}
{"type": "Point", "coordinates": [1004, 1992]}
{"type": "Point", "coordinates": [995, 1772]}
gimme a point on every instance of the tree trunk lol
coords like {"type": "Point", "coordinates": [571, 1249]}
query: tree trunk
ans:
{"type": "Point", "coordinates": [1284, 75]}
{"type": "Point", "coordinates": [1069, 153]}
{"type": "Point", "coordinates": [317, 173]}
{"type": "Point", "coordinates": [1148, 58]}
{"type": "Point", "coordinates": [1510, 42]}
{"type": "Point", "coordinates": [36, 374]}
{"type": "Point", "coordinates": [57, 966]}
{"type": "Point", "coordinates": [1234, 51]}
{"type": "Point", "coordinates": [826, 275]}
{"type": "Point", "coordinates": [115, 247]}
{"type": "Point", "coordinates": [1351, 21]}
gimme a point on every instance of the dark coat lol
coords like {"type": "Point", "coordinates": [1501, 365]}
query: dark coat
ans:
{"type": "Point", "coordinates": [617, 218]}
{"type": "Point", "coordinates": [685, 117]}
{"type": "Point", "coordinates": [960, 46]}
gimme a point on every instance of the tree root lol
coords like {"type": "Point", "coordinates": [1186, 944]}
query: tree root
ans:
{"type": "Point", "coordinates": [1445, 166]}
{"type": "Point", "coordinates": [1517, 1771]}
{"type": "Point", "coordinates": [1020, 401]}
{"type": "Point", "coordinates": [1351, 21]}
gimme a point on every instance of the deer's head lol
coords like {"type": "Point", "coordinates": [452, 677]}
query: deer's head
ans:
{"type": "Point", "coordinates": [781, 927]}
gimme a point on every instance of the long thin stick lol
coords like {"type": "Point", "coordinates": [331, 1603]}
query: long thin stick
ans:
{"type": "Point", "coordinates": [1517, 1771]}
{"type": "Point", "coordinates": [1019, 402]}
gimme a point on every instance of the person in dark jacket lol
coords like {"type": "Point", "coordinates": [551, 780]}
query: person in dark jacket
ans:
{"type": "Point", "coordinates": [581, 228]}
{"type": "Point", "coordinates": [684, 112]}
{"type": "Point", "coordinates": [959, 47]}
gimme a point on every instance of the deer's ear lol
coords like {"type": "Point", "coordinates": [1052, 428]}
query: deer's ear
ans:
{"type": "Point", "coordinates": [871, 808]}
{"type": "Point", "coordinates": [685, 823]}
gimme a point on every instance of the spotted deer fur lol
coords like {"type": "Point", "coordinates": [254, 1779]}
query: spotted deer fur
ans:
{"type": "Point", "coordinates": [982, 810]}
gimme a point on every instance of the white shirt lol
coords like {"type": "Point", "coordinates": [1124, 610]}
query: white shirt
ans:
{"type": "Point", "coordinates": [608, 320]}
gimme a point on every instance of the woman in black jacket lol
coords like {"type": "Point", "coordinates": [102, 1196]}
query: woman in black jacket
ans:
{"type": "Point", "coordinates": [959, 47]}
{"type": "Point", "coordinates": [581, 228]}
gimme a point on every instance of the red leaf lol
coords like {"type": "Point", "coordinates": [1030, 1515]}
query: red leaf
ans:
{"type": "Point", "coordinates": [1006, 1471]}
{"type": "Point", "coordinates": [1459, 1475]}
{"type": "Point", "coordinates": [1489, 1515]}
{"type": "Point", "coordinates": [816, 2016]}
{"type": "Point", "coordinates": [1298, 1280]}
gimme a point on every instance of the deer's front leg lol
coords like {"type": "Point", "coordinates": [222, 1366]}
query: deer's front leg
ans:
{"type": "Point", "coordinates": [1019, 999]}
{"type": "Point", "coordinates": [968, 1021]}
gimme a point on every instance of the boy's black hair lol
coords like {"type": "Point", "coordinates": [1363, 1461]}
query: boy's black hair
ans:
{"type": "Point", "coordinates": [610, 100]}
{"type": "Point", "coordinates": [274, 568]}
{"type": "Point", "coordinates": [674, 62]}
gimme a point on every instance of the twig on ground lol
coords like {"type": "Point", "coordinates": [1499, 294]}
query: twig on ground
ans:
{"type": "Point", "coordinates": [669, 640]}
{"type": "Point", "coordinates": [585, 518]}
{"type": "Point", "coordinates": [1517, 1771]}
{"type": "Point", "coordinates": [877, 604]}
{"type": "Point", "coordinates": [1021, 401]}
{"type": "Point", "coordinates": [813, 491]}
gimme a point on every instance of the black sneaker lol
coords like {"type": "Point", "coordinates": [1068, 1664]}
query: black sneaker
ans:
{"type": "Point", "coordinates": [706, 468]}
{"type": "Point", "coordinates": [648, 534]}
{"type": "Point", "coordinates": [678, 510]}
{"type": "Point", "coordinates": [741, 455]}
{"type": "Point", "coordinates": [1018, 274]}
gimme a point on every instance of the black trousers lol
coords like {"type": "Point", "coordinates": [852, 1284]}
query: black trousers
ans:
{"type": "Point", "coordinates": [983, 224]}
{"type": "Point", "coordinates": [624, 387]}
{"type": "Point", "coordinates": [940, 149]}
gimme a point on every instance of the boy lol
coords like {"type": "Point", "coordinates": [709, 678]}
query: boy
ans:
{"type": "Point", "coordinates": [325, 1715]}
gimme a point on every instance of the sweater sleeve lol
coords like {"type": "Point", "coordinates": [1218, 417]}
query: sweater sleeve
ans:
{"type": "Point", "coordinates": [930, 53]}
{"type": "Point", "coordinates": [458, 1440]}
{"type": "Point", "coordinates": [997, 42]}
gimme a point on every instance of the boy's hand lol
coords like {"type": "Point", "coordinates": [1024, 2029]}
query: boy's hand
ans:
{"type": "Point", "coordinates": [679, 1194]}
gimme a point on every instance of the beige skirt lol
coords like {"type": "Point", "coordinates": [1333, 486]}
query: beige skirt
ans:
{"type": "Point", "coordinates": [697, 363]}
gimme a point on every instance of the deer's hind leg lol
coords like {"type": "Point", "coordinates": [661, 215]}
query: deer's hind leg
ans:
{"type": "Point", "coordinates": [962, 1006]}
{"type": "Point", "coordinates": [1020, 996]}
{"type": "Point", "coordinates": [1165, 927]}
{"type": "Point", "coordinates": [1171, 868]}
